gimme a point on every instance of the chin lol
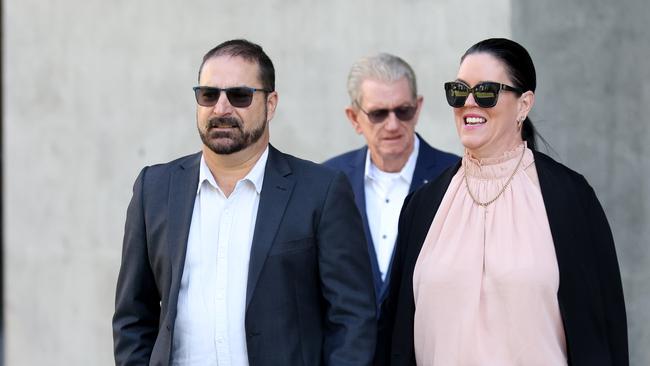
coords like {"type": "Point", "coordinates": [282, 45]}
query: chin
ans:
{"type": "Point", "coordinates": [471, 142]}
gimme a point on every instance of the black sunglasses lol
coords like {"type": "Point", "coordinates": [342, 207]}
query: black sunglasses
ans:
{"type": "Point", "coordinates": [403, 113]}
{"type": "Point", "coordinates": [239, 97]}
{"type": "Point", "coordinates": [486, 94]}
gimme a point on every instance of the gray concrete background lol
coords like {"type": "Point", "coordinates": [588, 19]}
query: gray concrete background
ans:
{"type": "Point", "coordinates": [94, 90]}
{"type": "Point", "coordinates": [594, 89]}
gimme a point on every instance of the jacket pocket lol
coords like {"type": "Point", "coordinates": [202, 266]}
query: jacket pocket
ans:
{"type": "Point", "coordinates": [291, 246]}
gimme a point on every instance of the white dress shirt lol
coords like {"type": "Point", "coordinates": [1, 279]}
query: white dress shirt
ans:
{"type": "Point", "coordinates": [209, 329]}
{"type": "Point", "coordinates": [385, 193]}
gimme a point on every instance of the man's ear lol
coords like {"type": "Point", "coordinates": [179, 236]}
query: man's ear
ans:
{"type": "Point", "coordinates": [353, 117]}
{"type": "Point", "coordinates": [271, 104]}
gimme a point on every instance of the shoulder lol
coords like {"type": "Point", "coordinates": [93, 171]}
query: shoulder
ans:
{"type": "Point", "coordinates": [160, 170]}
{"type": "Point", "coordinates": [557, 173]}
{"type": "Point", "coordinates": [303, 170]}
{"type": "Point", "coordinates": [312, 182]}
{"type": "Point", "coordinates": [346, 159]}
{"type": "Point", "coordinates": [427, 198]}
{"type": "Point", "coordinates": [429, 152]}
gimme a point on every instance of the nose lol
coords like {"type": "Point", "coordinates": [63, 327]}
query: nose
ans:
{"type": "Point", "coordinates": [223, 106]}
{"type": "Point", "coordinates": [470, 102]}
{"type": "Point", "coordinates": [391, 123]}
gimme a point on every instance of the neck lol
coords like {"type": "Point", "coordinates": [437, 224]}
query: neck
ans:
{"type": "Point", "coordinates": [228, 169]}
{"type": "Point", "coordinates": [486, 153]}
{"type": "Point", "coordinates": [390, 164]}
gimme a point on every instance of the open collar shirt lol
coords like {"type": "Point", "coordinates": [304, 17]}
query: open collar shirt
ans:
{"type": "Point", "coordinates": [385, 193]}
{"type": "Point", "coordinates": [209, 327]}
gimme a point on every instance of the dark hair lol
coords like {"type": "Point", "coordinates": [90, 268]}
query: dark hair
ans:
{"type": "Point", "coordinates": [520, 69]}
{"type": "Point", "coordinates": [249, 51]}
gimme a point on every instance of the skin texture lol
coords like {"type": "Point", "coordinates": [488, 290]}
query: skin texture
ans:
{"type": "Point", "coordinates": [233, 138]}
{"type": "Point", "coordinates": [390, 142]}
{"type": "Point", "coordinates": [500, 132]}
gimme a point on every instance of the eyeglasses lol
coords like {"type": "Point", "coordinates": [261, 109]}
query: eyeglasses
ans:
{"type": "Point", "coordinates": [403, 113]}
{"type": "Point", "coordinates": [239, 97]}
{"type": "Point", "coordinates": [486, 94]}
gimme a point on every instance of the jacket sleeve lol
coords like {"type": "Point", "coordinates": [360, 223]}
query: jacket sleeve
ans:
{"type": "Point", "coordinates": [609, 277]}
{"type": "Point", "coordinates": [137, 302]}
{"type": "Point", "coordinates": [346, 280]}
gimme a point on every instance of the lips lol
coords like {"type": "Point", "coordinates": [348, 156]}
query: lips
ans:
{"type": "Point", "coordinates": [223, 122]}
{"type": "Point", "coordinates": [392, 138]}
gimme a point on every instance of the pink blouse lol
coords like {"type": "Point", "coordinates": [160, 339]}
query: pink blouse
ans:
{"type": "Point", "coordinates": [486, 280]}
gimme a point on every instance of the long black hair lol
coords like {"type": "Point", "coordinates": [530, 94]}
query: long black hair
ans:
{"type": "Point", "coordinates": [520, 69]}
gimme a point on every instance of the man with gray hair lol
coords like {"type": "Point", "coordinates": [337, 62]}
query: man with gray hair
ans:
{"type": "Point", "coordinates": [384, 108]}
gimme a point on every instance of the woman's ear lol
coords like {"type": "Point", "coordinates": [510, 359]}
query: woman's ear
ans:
{"type": "Point", "coordinates": [526, 102]}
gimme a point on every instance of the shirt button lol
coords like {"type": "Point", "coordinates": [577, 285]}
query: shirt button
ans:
{"type": "Point", "coordinates": [383, 236]}
{"type": "Point", "coordinates": [387, 200]}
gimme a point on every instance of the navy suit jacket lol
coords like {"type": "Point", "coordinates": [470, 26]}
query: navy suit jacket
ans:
{"type": "Point", "coordinates": [309, 298]}
{"type": "Point", "coordinates": [429, 164]}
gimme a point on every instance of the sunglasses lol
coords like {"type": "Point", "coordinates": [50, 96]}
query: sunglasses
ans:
{"type": "Point", "coordinates": [486, 94]}
{"type": "Point", "coordinates": [403, 113]}
{"type": "Point", "coordinates": [239, 97]}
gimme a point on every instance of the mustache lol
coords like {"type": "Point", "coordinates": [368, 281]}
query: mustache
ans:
{"type": "Point", "coordinates": [224, 122]}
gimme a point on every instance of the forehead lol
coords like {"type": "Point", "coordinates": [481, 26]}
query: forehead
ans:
{"type": "Point", "coordinates": [479, 67]}
{"type": "Point", "coordinates": [385, 93]}
{"type": "Point", "coordinates": [228, 71]}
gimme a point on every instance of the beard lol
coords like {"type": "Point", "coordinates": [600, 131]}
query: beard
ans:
{"type": "Point", "coordinates": [236, 139]}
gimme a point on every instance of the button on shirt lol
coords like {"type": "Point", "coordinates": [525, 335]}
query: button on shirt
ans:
{"type": "Point", "coordinates": [385, 194]}
{"type": "Point", "coordinates": [209, 328]}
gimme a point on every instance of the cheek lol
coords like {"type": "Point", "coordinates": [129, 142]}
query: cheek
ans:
{"type": "Point", "coordinates": [202, 114]}
{"type": "Point", "coordinates": [458, 118]}
{"type": "Point", "coordinates": [367, 130]}
{"type": "Point", "coordinates": [506, 110]}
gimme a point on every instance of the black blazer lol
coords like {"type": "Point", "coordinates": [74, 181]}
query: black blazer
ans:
{"type": "Point", "coordinates": [309, 298]}
{"type": "Point", "coordinates": [428, 166]}
{"type": "Point", "coordinates": [590, 293]}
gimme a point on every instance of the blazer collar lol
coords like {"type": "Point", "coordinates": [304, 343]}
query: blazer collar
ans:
{"type": "Point", "coordinates": [424, 165]}
{"type": "Point", "coordinates": [182, 194]}
{"type": "Point", "coordinates": [276, 190]}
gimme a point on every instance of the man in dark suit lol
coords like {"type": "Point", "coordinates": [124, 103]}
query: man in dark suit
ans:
{"type": "Point", "coordinates": [240, 254]}
{"type": "Point", "coordinates": [384, 108]}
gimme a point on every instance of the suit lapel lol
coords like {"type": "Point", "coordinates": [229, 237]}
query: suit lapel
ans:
{"type": "Point", "coordinates": [182, 194]}
{"type": "Point", "coordinates": [424, 166]}
{"type": "Point", "coordinates": [276, 190]}
{"type": "Point", "coordinates": [358, 178]}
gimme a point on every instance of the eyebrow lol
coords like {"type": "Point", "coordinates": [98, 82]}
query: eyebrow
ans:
{"type": "Point", "coordinates": [482, 81]}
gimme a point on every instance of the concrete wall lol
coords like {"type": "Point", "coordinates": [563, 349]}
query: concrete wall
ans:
{"type": "Point", "coordinates": [593, 91]}
{"type": "Point", "coordinates": [94, 90]}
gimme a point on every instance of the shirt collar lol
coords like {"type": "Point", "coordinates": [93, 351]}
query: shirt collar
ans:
{"type": "Point", "coordinates": [407, 171]}
{"type": "Point", "coordinates": [255, 176]}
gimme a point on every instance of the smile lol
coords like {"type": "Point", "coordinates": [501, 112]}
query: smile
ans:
{"type": "Point", "coordinates": [474, 120]}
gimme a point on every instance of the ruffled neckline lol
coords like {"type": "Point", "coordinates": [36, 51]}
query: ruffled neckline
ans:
{"type": "Point", "coordinates": [498, 167]}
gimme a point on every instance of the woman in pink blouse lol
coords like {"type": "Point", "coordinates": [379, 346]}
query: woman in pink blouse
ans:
{"type": "Point", "coordinates": [506, 259]}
